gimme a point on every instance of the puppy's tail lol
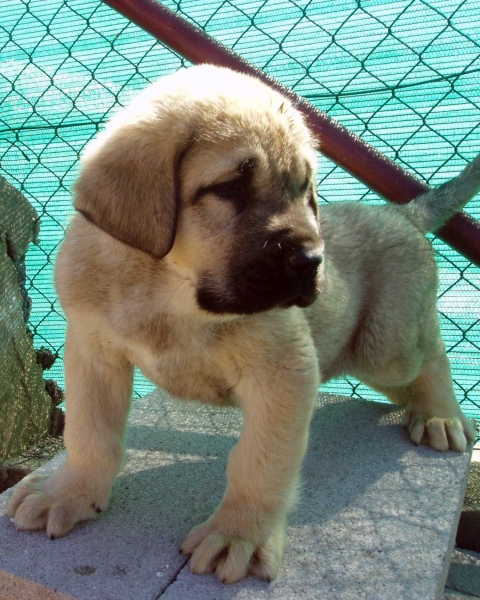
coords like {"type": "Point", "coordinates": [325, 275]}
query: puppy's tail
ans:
{"type": "Point", "coordinates": [431, 210]}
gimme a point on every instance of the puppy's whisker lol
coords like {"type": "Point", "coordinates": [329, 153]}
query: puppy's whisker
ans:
{"type": "Point", "coordinates": [183, 296]}
{"type": "Point", "coordinates": [174, 292]}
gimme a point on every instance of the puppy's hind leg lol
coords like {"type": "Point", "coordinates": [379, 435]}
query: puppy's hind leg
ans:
{"type": "Point", "coordinates": [433, 415]}
{"type": "Point", "coordinates": [98, 391]}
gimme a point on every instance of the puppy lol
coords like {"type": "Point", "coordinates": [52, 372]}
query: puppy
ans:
{"type": "Point", "coordinates": [198, 254]}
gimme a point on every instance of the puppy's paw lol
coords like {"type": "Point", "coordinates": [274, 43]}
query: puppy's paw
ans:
{"type": "Point", "coordinates": [57, 502]}
{"type": "Point", "coordinates": [441, 433]}
{"type": "Point", "coordinates": [232, 557]}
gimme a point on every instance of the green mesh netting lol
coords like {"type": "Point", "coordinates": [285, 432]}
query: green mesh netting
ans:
{"type": "Point", "coordinates": [25, 406]}
{"type": "Point", "coordinates": [403, 74]}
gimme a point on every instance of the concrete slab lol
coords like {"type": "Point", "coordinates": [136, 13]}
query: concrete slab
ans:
{"type": "Point", "coordinates": [376, 520]}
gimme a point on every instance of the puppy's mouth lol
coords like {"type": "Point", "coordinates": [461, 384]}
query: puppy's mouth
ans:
{"type": "Point", "coordinates": [256, 290]}
{"type": "Point", "coordinates": [303, 300]}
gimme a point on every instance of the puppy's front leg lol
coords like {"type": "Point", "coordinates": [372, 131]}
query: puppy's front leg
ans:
{"type": "Point", "coordinates": [98, 392]}
{"type": "Point", "coordinates": [246, 534]}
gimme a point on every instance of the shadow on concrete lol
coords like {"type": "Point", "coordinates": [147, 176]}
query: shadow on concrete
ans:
{"type": "Point", "coordinates": [366, 493]}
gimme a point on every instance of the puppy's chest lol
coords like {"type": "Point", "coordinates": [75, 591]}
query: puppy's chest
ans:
{"type": "Point", "coordinates": [183, 364]}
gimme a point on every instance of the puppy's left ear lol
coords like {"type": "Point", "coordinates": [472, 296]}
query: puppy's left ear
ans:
{"type": "Point", "coordinates": [128, 187]}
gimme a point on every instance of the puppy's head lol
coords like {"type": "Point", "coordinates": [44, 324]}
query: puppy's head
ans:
{"type": "Point", "coordinates": [214, 173]}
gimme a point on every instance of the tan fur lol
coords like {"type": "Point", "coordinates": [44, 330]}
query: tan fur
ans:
{"type": "Point", "coordinates": [128, 274]}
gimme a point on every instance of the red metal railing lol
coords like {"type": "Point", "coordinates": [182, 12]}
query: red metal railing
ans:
{"type": "Point", "coordinates": [340, 145]}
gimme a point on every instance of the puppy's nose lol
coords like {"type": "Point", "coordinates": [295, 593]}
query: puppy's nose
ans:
{"type": "Point", "coordinates": [305, 262]}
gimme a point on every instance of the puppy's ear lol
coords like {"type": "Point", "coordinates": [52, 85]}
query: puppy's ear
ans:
{"type": "Point", "coordinates": [128, 187]}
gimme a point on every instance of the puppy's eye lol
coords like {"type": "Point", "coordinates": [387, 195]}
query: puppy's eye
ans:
{"type": "Point", "coordinates": [231, 193]}
{"type": "Point", "coordinates": [234, 192]}
{"type": "Point", "coordinates": [246, 168]}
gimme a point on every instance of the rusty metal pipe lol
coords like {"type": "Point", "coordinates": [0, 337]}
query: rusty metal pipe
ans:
{"type": "Point", "coordinates": [339, 144]}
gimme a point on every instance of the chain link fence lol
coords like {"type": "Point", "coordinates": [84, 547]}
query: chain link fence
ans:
{"type": "Point", "coordinates": [402, 74]}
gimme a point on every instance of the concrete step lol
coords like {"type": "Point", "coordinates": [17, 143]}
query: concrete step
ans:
{"type": "Point", "coordinates": [450, 595]}
{"type": "Point", "coordinates": [464, 574]}
{"type": "Point", "coordinates": [376, 520]}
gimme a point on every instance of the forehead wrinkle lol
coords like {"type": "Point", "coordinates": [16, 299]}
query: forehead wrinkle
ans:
{"type": "Point", "coordinates": [274, 141]}
{"type": "Point", "coordinates": [288, 157]}
{"type": "Point", "coordinates": [210, 164]}
{"type": "Point", "coordinates": [292, 175]}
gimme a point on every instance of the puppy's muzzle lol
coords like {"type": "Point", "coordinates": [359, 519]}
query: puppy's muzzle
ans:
{"type": "Point", "coordinates": [298, 260]}
{"type": "Point", "coordinates": [289, 269]}
{"type": "Point", "coordinates": [302, 269]}
{"type": "Point", "coordinates": [303, 262]}
{"type": "Point", "coordinates": [281, 273]}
